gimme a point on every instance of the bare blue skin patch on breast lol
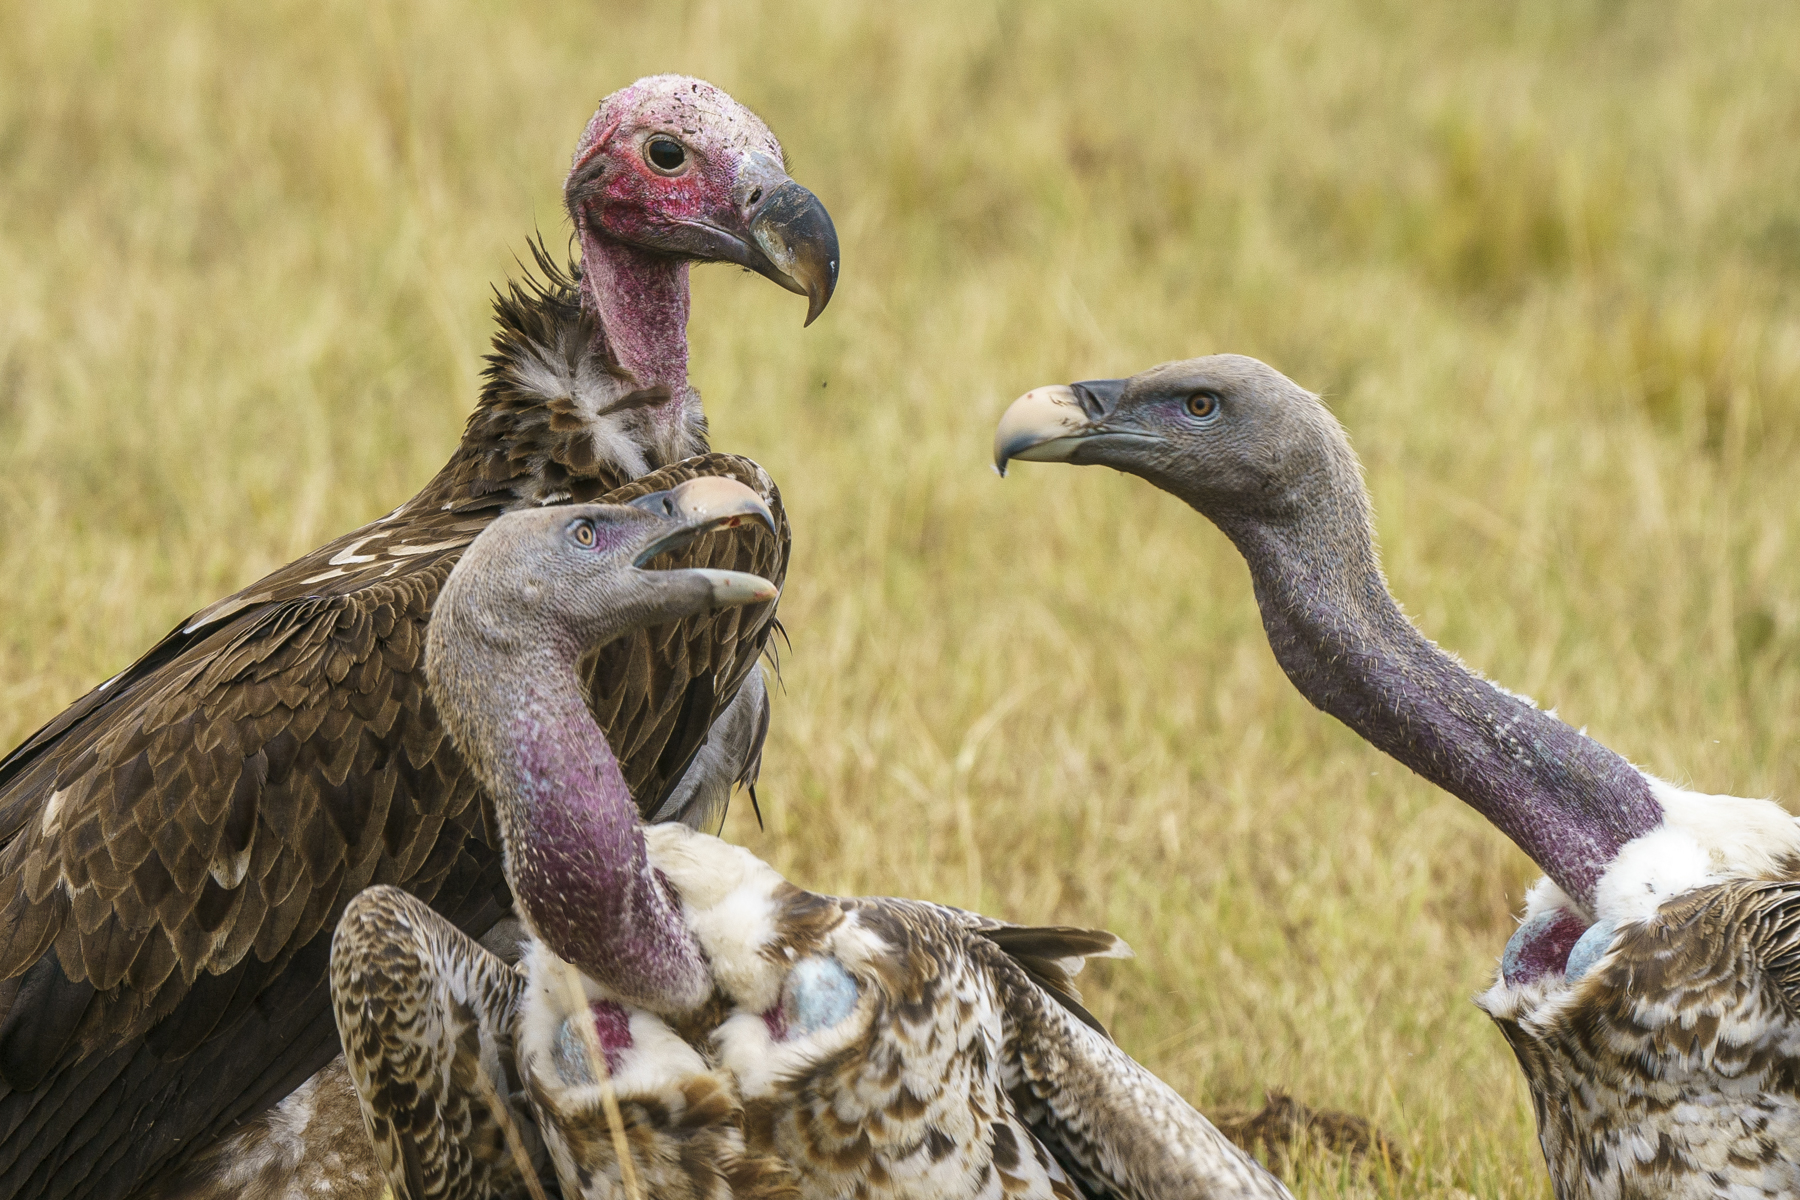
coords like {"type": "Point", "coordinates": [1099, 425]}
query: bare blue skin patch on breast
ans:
{"type": "Point", "coordinates": [1588, 950]}
{"type": "Point", "coordinates": [819, 993]}
{"type": "Point", "coordinates": [572, 1053]}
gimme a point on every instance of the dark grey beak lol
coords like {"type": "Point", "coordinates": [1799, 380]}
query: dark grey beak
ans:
{"type": "Point", "coordinates": [786, 234]}
{"type": "Point", "coordinates": [797, 243]}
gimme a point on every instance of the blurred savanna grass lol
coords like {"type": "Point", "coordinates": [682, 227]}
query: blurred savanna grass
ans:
{"type": "Point", "coordinates": [1540, 258]}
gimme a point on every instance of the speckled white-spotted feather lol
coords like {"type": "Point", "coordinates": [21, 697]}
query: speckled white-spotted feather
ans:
{"type": "Point", "coordinates": [894, 1048]}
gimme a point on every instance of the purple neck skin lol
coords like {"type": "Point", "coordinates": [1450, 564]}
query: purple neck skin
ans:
{"type": "Point", "coordinates": [576, 854]}
{"type": "Point", "coordinates": [1564, 799]}
{"type": "Point", "coordinates": [641, 300]}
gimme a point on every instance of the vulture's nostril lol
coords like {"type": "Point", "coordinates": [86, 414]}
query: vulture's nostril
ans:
{"type": "Point", "coordinates": [755, 196]}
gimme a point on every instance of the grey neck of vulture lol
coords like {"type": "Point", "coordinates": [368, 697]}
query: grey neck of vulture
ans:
{"type": "Point", "coordinates": [575, 853]}
{"type": "Point", "coordinates": [1563, 798]}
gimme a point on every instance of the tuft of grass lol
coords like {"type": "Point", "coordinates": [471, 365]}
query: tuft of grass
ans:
{"type": "Point", "coordinates": [1539, 258]}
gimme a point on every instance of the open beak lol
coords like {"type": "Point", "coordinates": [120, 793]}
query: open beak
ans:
{"type": "Point", "coordinates": [1048, 424]}
{"type": "Point", "coordinates": [698, 507]}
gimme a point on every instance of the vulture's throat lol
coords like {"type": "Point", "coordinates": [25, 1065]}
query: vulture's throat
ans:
{"type": "Point", "coordinates": [1566, 800]}
{"type": "Point", "coordinates": [575, 855]}
{"type": "Point", "coordinates": [640, 299]}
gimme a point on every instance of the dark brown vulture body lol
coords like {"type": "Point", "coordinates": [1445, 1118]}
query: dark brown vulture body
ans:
{"type": "Point", "coordinates": [176, 847]}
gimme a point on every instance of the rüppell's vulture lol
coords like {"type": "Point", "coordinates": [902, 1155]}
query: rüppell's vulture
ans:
{"type": "Point", "coordinates": [686, 1022]}
{"type": "Point", "coordinates": [1651, 992]}
{"type": "Point", "coordinates": [178, 844]}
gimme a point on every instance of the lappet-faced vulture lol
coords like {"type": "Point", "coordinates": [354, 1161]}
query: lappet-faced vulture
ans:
{"type": "Point", "coordinates": [750, 1038]}
{"type": "Point", "coordinates": [178, 844]}
{"type": "Point", "coordinates": [1652, 993]}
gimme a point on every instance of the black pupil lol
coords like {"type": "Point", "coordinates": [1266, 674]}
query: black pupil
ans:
{"type": "Point", "coordinates": [667, 154]}
{"type": "Point", "coordinates": [1201, 403]}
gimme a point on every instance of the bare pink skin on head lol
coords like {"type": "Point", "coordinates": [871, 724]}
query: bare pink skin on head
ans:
{"type": "Point", "coordinates": [623, 208]}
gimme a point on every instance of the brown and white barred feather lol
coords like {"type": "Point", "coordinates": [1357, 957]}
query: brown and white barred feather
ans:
{"type": "Point", "coordinates": [679, 1115]}
{"type": "Point", "coordinates": [893, 1048]}
{"type": "Point", "coordinates": [428, 1022]}
{"type": "Point", "coordinates": [437, 1030]}
{"type": "Point", "coordinates": [868, 1047]}
{"type": "Point", "coordinates": [1671, 1069]}
{"type": "Point", "coordinates": [311, 1146]}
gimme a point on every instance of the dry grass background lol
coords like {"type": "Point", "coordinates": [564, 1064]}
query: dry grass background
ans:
{"type": "Point", "coordinates": [1542, 262]}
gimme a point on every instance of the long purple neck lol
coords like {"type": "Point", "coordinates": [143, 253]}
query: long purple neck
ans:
{"type": "Point", "coordinates": [1564, 799]}
{"type": "Point", "coordinates": [641, 300]}
{"type": "Point", "coordinates": [574, 851]}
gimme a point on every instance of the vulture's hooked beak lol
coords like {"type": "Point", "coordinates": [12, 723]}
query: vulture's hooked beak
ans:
{"type": "Point", "coordinates": [1048, 424]}
{"type": "Point", "coordinates": [698, 507]}
{"type": "Point", "coordinates": [791, 238]}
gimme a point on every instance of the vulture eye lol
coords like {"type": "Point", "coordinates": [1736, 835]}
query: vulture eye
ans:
{"type": "Point", "coordinates": [582, 533]}
{"type": "Point", "coordinates": [666, 154]}
{"type": "Point", "coordinates": [1203, 404]}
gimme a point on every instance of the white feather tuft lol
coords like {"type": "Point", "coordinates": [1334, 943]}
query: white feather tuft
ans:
{"type": "Point", "coordinates": [1545, 896]}
{"type": "Point", "coordinates": [1703, 840]}
{"type": "Point", "coordinates": [728, 899]}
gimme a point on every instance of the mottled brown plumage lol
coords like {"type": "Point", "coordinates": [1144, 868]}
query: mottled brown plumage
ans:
{"type": "Point", "coordinates": [878, 1047]}
{"type": "Point", "coordinates": [896, 1048]}
{"type": "Point", "coordinates": [958, 1062]}
{"type": "Point", "coordinates": [429, 1019]}
{"type": "Point", "coordinates": [175, 846]}
{"type": "Point", "coordinates": [424, 999]}
{"type": "Point", "coordinates": [310, 1146]}
{"type": "Point", "coordinates": [178, 842]}
{"type": "Point", "coordinates": [1670, 1068]}
{"type": "Point", "coordinates": [679, 1115]}
{"type": "Point", "coordinates": [406, 982]}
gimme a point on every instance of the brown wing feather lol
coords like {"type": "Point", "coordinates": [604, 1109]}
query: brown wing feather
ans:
{"type": "Point", "coordinates": [1109, 1122]}
{"type": "Point", "coordinates": [1052, 955]}
{"type": "Point", "coordinates": [183, 832]}
{"type": "Point", "coordinates": [426, 1015]}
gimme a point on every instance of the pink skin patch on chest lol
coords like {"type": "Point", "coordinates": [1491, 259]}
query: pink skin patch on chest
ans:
{"type": "Point", "coordinates": [1540, 947]}
{"type": "Point", "coordinates": [612, 1026]}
